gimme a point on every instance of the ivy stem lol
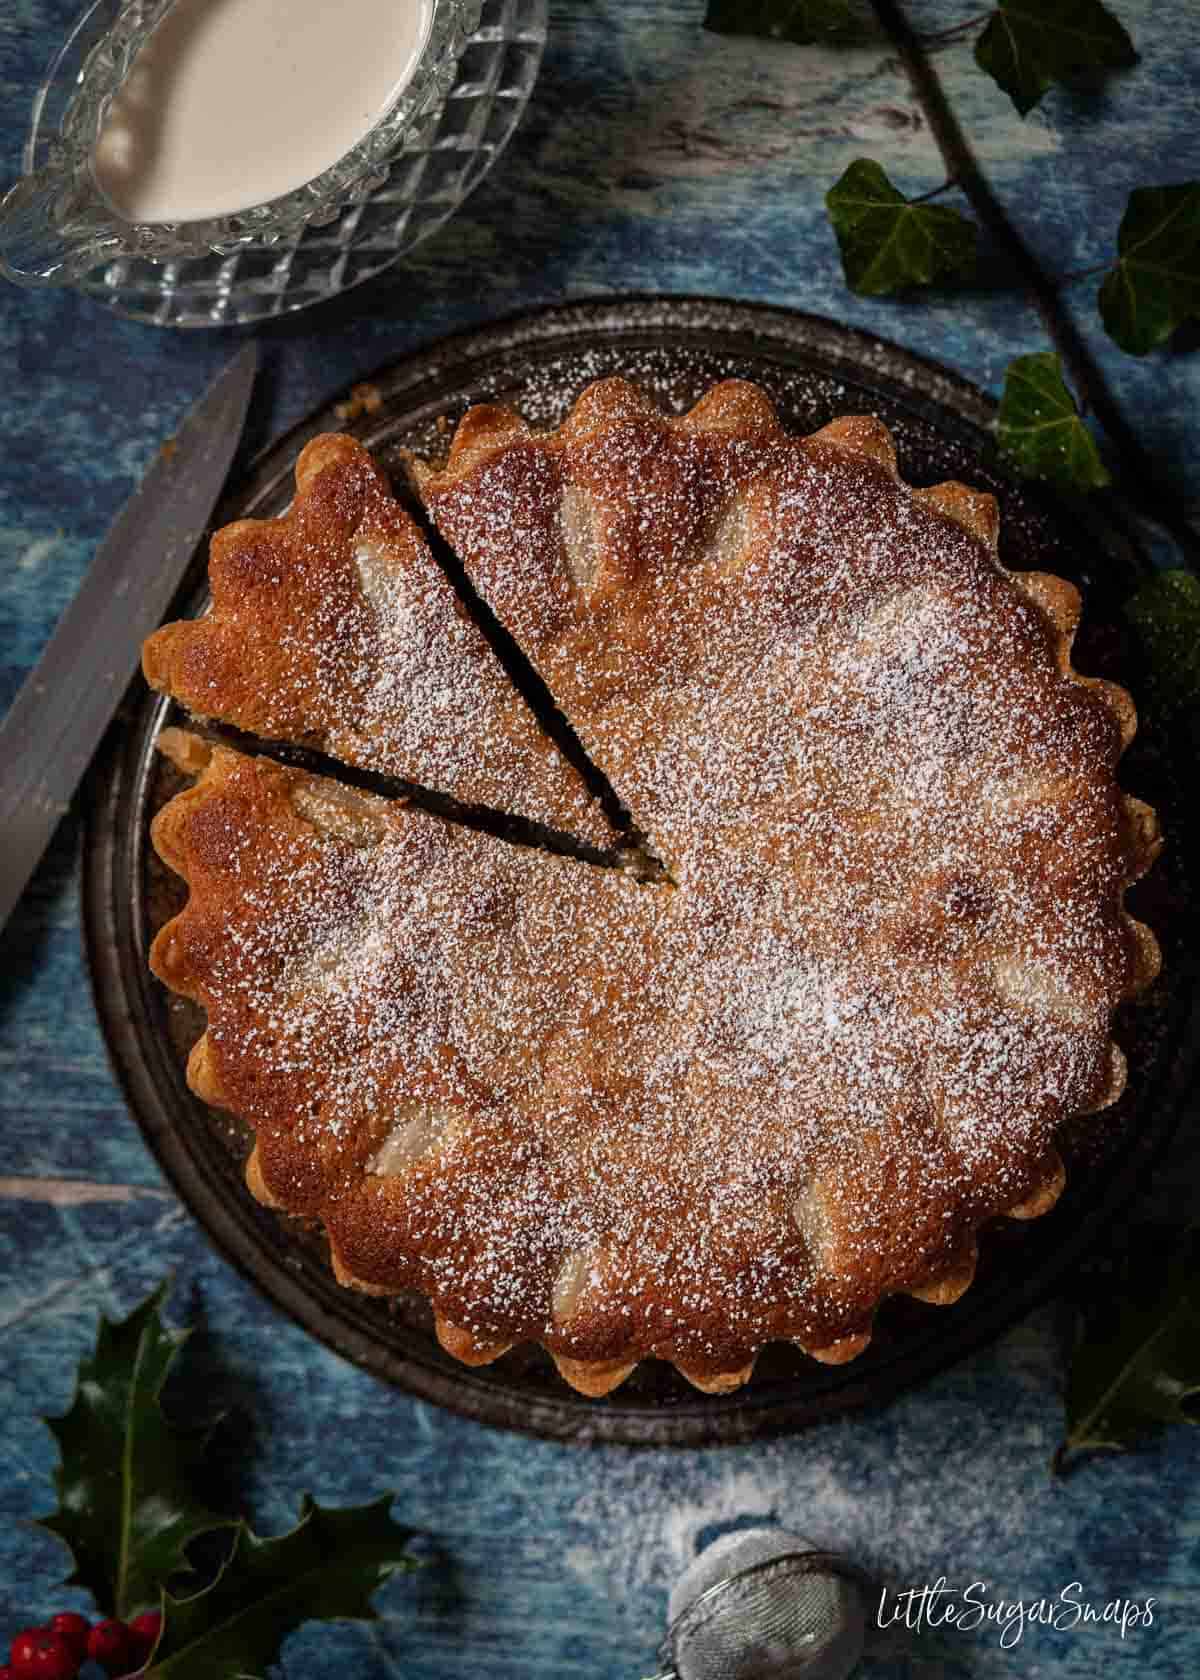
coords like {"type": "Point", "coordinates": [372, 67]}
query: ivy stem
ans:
{"type": "Point", "coordinates": [944, 37]}
{"type": "Point", "coordinates": [934, 192]}
{"type": "Point", "coordinates": [1142, 481]}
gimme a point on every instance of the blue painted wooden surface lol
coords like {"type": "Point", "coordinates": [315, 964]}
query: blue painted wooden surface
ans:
{"type": "Point", "coordinates": [653, 157]}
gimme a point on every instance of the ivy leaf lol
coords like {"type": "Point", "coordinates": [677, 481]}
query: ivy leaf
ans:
{"type": "Point", "coordinates": [328, 1565]}
{"type": "Point", "coordinates": [1155, 284]}
{"type": "Point", "coordinates": [802, 22]}
{"type": "Point", "coordinates": [1028, 44]}
{"type": "Point", "coordinates": [1137, 1361]}
{"type": "Point", "coordinates": [1039, 427]}
{"type": "Point", "coordinates": [1165, 612]}
{"type": "Point", "coordinates": [888, 241]}
{"type": "Point", "coordinates": [127, 1506]}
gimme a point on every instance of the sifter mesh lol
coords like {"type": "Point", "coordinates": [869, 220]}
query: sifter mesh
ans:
{"type": "Point", "coordinates": [765, 1606]}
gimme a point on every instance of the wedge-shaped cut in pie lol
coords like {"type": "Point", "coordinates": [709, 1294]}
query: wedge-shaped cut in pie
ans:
{"type": "Point", "coordinates": [334, 627]}
{"type": "Point", "coordinates": [632, 1121]}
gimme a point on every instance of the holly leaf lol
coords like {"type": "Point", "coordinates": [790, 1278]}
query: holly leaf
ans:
{"type": "Point", "coordinates": [1165, 613]}
{"type": "Point", "coordinates": [802, 22]}
{"type": "Point", "coordinates": [1137, 1361]}
{"type": "Point", "coordinates": [1028, 44]}
{"type": "Point", "coordinates": [889, 242]}
{"type": "Point", "coordinates": [328, 1565]}
{"type": "Point", "coordinates": [126, 1501]}
{"type": "Point", "coordinates": [1039, 427]}
{"type": "Point", "coordinates": [1155, 284]}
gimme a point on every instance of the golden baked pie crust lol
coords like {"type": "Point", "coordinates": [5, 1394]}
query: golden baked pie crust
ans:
{"type": "Point", "coordinates": [755, 1107]}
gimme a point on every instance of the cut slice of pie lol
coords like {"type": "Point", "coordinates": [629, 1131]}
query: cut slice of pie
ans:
{"type": "Point", "coordinates": [334, 627]}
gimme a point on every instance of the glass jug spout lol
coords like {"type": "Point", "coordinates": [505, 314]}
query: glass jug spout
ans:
{"type": "Point", "coordinates": [55, 226]}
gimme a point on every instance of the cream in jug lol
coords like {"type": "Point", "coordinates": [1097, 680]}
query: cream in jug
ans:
{"type": "Point", "coordinates": [232, 103]}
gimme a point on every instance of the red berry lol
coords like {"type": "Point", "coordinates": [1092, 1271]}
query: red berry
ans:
{"type": "Point", "coordinates": [7, 1673]}
{"type": "Point", "coordinates": [143, 1636]}
{"type": "Point", "coordinates": [42, 1654]}
{"type": "Point", "coordinates": [21, 1650]}
{"type": "Point", "coordinates": [108, 1644]}
{"type": "Point", "coordinates": [70, 1626]}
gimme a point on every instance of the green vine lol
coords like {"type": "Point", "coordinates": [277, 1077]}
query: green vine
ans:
{"type": "Point", "coordinates": [890, 243]}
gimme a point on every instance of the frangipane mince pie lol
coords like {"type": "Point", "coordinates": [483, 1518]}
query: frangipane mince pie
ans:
{"type": "Point", "coordinates": [677, 1119]}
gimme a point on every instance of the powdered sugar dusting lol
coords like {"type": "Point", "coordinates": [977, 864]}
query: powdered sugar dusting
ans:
{"type": "Point", "coordinates": [688, 1121]}
{"type": "Point", "coordinates": [334, 626]}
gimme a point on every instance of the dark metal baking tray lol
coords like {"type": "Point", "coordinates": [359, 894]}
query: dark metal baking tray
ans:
{"type": "Point", "coordinates": [676, 347]}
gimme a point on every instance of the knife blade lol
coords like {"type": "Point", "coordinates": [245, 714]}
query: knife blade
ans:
{"type": "Point", "coordinates": [68, 700]}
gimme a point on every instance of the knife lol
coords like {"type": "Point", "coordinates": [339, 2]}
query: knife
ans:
{"type": "Point", "coordinates": [69, 698]}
